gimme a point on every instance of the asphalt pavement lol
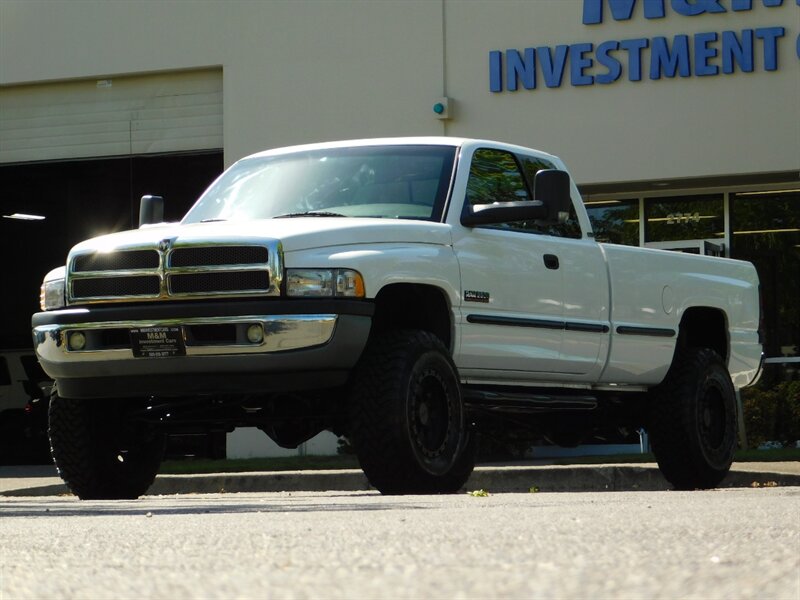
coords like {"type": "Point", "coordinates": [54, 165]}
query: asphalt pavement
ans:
{"type": "Point", "coordinates": [44, 480]}
{"type": "Point", "coordinates": [709, 545]}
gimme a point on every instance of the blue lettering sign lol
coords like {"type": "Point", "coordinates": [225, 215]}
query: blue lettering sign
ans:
{"type": "Point", "coordinates": [495, 71]}
{"type": "Point", "coordinates": [518, 67]}
{"type": "Point", "coordinates": [737, 50]}
{"type": "Point", "coordinates": [552, 67]}
{"type": "Point", "coordinates": [708, 53]}
{"type": "Point", "coordinates": [666, 61]}
{"type": "Point", "coordinates": [603, 56]}
{"type": "Point", "coordinates": [692, 8]}
{"type": "Point", "coordinates": [703, 53]}
{"type": "Point", "coordinates": [578, 63]}
{"type": "Point", "coordinates": [634, 48]}
{"type": "Point", "coordinates": [748, 4]}
{"type": "Point", "coordinates": [622, 10]}
{"type": "Point", "coordinates": [770, 36]}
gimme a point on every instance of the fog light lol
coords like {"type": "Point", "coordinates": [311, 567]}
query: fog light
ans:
{"type": "Point", "coordinates": [255, 333]}
{"type": "Point", "coordinates": [77, 341]}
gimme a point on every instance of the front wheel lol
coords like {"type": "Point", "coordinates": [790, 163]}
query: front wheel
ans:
{"type": "Point", "coordinates": [693, 421]}
{"type": "Point", "coordinates": [98, 452]}
{"type": "Point", "coordinates": [408, 422]}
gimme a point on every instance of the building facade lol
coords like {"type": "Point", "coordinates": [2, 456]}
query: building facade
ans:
{"type": "Point", "coordinates": [679, 119]}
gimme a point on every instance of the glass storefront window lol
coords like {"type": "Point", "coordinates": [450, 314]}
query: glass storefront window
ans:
{"type": "Point", "coordinates": [615, 221]}
{"type": "Point", "coordinates": [766, 232]}
{"type": "Point", "coordinates": [684, 218]}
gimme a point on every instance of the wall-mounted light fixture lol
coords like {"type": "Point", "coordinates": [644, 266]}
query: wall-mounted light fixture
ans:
{"type": "Point", "coordinates": [442, 109]}
{"type": "Point", "coordinates": [24, 217]}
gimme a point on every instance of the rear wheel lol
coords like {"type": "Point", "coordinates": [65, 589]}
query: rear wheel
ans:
{"type": "Point", "coordinates": [98, 452]}
{"type": "Point", "coordinates": [693, 420]}
{"type": "Point", "coordinates": [408, 422]}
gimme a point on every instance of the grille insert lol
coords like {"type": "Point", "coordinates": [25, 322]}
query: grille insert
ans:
{"type": "Point", "coordinates": [112, 287]}
{"type": "Point", "coordinates": [222, 281]}
{"type": "Point", "coordinates": [116, 261]}
{"type": "Point", "coordinates": [218, 255]}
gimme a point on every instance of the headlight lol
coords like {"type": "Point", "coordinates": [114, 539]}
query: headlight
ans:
{"type": "Point", "coordinates": [51, 295]}
{"type": "Point", "coordinates": [324, 283]}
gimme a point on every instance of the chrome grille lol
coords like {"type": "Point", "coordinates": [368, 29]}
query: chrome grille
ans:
{"type": "Point", "coordinates": [188, 271]}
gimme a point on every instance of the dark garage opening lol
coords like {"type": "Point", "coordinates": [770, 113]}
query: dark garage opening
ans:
{"type": "Point", "coordinates": [79, 200]}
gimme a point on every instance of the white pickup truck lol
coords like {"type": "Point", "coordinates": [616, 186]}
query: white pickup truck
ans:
{"type": "Point", "coordinates": [403, 292]}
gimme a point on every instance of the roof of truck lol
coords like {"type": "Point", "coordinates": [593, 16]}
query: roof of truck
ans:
{"type": "Point", "coordinates": [397, 141]}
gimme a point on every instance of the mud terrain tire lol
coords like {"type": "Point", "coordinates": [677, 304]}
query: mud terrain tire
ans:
{"type": "Point", "coordinates": [100, 455]}
{"type": "Point", "coordinates": [693, 421]}
{"type": "Point", "coordinates": [408, 421]}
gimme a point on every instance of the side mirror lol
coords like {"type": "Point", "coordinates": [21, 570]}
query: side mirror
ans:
{"type": "Point", "coordinates": [551, 187]}
{"type": "Point", "coordinates": [151, 210]}
{"type": "Point", "coordinates": [551, 203]}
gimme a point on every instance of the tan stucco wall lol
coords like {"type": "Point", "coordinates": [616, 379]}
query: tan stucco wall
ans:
{"type": "Point", "coordinates": [670, 128]}
{"type": "Point", "coordinates": [330, 69]}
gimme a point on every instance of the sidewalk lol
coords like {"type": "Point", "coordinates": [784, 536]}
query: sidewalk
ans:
{"type": "Point", "coordinates": [44, 481]}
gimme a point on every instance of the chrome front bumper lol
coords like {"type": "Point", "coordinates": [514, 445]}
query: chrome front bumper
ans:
{"type": "Point", "coordinates": [280, 333]}
{"type": "Point", "coordinates": [302, 344]}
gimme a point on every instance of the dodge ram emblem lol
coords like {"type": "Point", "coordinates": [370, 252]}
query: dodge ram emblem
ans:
{"type": "Point", "coordinates": [164, 245]}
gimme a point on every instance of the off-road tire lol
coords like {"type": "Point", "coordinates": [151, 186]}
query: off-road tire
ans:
{"type": "Point", "coordinates": [692, 424]}
{"type": "Point", "coordinates": [98, 454]}
{"type": "Point", "coordinates": [407, 417]}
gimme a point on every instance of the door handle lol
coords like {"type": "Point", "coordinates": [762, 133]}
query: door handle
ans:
{"type": "Point", "coordinates": [551, 261]}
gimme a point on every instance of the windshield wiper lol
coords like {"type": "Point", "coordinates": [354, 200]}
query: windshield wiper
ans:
{"type": "Point", "coordinates": [212, 220]}
{"type": "Point", "coordinates": [310, 213]}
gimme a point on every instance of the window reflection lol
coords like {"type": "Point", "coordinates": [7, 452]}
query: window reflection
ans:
{"type": "Point", "coordinates": [766, 231]}
{"type": "Point", "coordinates": [615, 221]}
{"type": "Point", "coordinates": [684, 218]}
{"type": "Point", "coordinates": [495, 176]}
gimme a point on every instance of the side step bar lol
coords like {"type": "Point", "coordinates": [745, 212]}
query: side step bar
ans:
{"type": "Point", "coordinates": [526, 401]}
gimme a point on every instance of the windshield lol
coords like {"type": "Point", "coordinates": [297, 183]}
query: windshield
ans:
{"type": "Point", "coordinates": [391, 182]}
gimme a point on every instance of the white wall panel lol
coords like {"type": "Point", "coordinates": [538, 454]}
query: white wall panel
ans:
{"type": "Point", "coordinates": [317, 70]}
{"type": "Point", "coordinates": [111, 117]}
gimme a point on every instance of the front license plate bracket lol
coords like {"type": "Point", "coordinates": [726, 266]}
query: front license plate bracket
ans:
{"type": "Point", "coordinates": [158, 342]}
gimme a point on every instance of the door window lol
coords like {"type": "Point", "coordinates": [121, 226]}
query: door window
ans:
{"type": "Point", "coordinates": [615, 221]}
{"type": "Point", "coordinates": [496, 176]}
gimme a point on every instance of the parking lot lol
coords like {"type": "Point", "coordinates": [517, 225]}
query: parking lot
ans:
{"type": "Point", "coordinates": [732, 543]}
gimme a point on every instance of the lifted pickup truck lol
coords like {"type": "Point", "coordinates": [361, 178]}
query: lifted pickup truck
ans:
{"type": "Point", "coordinates": [407, 293]}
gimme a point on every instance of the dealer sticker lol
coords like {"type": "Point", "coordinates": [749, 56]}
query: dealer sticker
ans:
{"type": "Point", "coordinates": [158, 342]}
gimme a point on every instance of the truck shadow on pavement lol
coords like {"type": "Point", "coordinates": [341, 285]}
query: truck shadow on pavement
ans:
{"type": "Point", "coordinates": [149, 506]}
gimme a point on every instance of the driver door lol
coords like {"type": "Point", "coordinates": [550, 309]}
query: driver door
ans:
{"type": "Point", "coordinates": [511, 294]}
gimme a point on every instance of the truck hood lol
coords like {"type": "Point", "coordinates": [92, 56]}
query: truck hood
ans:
{"type": "Point", "coordinates": [300, 233]}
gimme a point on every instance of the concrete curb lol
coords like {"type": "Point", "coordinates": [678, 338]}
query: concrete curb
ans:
{"type": "Point", "coordinates": [608, 478]}
{"type": "Point", "coordinates": [494, 479]}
